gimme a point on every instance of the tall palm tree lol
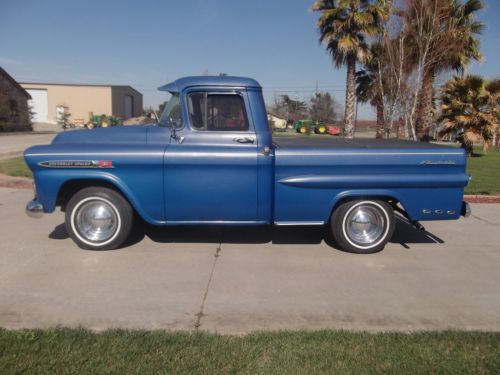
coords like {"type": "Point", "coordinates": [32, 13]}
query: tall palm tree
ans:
{"type": "Point", "coordinates": [344, 26]}
{"type": "Point", "coordinates": [454, 47]}
{"type": "Point", "coordinates": [369, 87]}
{"type": "Point", "coordinates": [470, 107]}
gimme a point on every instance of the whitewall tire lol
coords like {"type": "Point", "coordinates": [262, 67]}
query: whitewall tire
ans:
{"type": "Point", "coordinates": [362, 226]}
{"type": "Point", "coordinates": [98, 218]}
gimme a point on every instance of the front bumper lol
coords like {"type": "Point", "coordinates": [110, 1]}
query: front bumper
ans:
{"type": "Point", "coordinates": [34, 209]}
{"type": "Point", "coordinates": [466, 210]}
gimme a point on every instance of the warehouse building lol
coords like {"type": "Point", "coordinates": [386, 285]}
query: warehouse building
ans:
{"type": "Point", "coordinates": [80, 100]}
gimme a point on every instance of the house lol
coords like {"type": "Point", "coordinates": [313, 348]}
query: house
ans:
{"type": "Point", "coordinates": [14, 114]}
{"type": "Point", "coordinates": [80, 100]}
{"type": "Point", "coordinates": [278, 122]}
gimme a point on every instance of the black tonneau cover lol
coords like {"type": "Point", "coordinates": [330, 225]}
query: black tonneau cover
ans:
{"type": "Point", "coordinates": [325, 141]}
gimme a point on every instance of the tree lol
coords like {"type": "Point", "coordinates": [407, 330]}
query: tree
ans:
{"type": "Point", "coordinates": [14, 115]}
{"type": "Point", "coordinates": [470, 107]}
{"type": "Point", "coordinates": [289, 108]}
{"type": "Point", "coordinates": [344, 26]}
{"type": "Point", "coordinates": [443, 34]}
{"type": "Point", "coordinates": [322, 108]}
{"type": "Point", "coordinates": [62, 116]}
{"type": "Point", "coordinates": [370, 86]}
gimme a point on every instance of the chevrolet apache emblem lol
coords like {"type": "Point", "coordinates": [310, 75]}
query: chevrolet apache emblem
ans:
{"type": "Point", "coordinates": [77, 164]}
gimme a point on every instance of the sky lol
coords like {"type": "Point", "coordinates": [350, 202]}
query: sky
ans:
{"type": "Point", "coordinates": [148, 43]}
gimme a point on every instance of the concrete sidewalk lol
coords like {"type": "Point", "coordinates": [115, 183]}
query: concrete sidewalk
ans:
{"type": "Point", "coordinates": [237, 280]}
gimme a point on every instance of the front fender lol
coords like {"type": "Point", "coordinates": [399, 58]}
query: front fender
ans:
{"type": "Point", "coordinates": [49, 183]}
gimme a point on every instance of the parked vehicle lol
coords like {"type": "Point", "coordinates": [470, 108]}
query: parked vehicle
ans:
{"type": "Point", "coordinates": [211, 160]}
{"type": "Point", "coordinates": [309, 126]}
{"type": "Point", "coordinates": [103, 121]}
{"type": "Point", "coordinates": [333, 130]}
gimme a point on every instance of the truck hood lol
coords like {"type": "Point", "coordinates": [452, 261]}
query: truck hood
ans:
{"type": "Point", "coordinates": [135, 134]}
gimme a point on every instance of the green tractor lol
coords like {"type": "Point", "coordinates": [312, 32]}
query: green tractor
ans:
{"type": "Point", "coordinates": [102, 121]}
{"type": "Point", "coordinates": [309, 126]}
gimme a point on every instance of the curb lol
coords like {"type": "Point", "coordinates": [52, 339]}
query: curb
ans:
{"type": "Point", "coordinates": [482, 198]}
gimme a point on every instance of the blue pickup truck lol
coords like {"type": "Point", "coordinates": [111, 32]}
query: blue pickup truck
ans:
{"type": "Point", "coordinates": [211, 159]}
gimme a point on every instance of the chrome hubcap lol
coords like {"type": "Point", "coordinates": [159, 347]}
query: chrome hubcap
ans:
{"type": "Point", "coordinates": [365, 224]}
{"type": "Point", "coordinates": [96, 221]}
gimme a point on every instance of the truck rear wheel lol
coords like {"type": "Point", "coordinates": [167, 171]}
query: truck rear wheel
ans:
{"type": "Point", "coordinates": [98, 218]}
{"type": "Point", "coordinates": [363, 226]}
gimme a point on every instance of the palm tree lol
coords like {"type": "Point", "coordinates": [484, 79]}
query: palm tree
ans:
{"type": "Point", "coordinates": [369, 87]}
{"type": "Point", "coordinates": [344, 26]}
{"type": "Point", "coordinates": [470, 107]}
{"type": "Point", "coordinates": [454, 46]}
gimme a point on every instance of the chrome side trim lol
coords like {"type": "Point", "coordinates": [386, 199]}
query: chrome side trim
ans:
{"type": "Point", "coordinates": [215, 222]}
{"type": "Point", "coordinates": [300, 153]}
{"type": "Point", "coordinates": [99, 154]}
{"type": "Point", "coordinates": [287, 223]}
{"type": "Point", "coordinates": [370, 181]}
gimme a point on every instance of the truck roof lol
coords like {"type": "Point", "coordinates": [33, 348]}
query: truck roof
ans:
{"type": "Point", "coordinates": [184, 82]}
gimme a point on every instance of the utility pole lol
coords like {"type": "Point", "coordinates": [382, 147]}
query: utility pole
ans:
{"type": "Point", "coordinates": [317, 87]}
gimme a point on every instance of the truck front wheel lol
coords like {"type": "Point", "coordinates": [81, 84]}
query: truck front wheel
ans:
{"type": "Point", "coordinates": [363, 226]}
{"type": "Point", "coordinates": [98, 218]}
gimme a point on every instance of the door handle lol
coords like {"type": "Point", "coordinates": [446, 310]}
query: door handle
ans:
{"type": "Point", "coordinates": [244, 140]}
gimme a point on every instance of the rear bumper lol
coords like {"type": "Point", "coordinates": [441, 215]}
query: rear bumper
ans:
{"type": "Point", "coordinates": [466, 210]}
{"type": "Point", "coordinates": [34, 209]}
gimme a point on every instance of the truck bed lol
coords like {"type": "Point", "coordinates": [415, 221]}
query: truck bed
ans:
{"type": "Point", "coordinates": [326, 142]}
{"type": "Point", "coordinates": [310, 170]}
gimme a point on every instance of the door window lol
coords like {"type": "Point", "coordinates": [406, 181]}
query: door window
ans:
{"type": "Point", "coordinates": [217, 112]}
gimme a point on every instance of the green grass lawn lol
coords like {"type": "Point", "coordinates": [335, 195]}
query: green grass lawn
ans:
{"type": "Point", "coordinates": [72, 351]}
{"type": "Point", "coordinates": [15, 167]}
{"type": "Point", "coordinates": [485, 171]}
{"type": "Point", "coordinates": [484, 168]}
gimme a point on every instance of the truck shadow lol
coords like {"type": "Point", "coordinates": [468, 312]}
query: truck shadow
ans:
{"type": "Point", "coordinates": [404, 234]}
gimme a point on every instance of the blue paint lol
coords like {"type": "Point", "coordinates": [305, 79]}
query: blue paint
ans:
{"type": "Point", "coordinates": [209, 178]}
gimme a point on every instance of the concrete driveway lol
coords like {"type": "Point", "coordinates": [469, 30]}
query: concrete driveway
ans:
{"type": "Point", "coordinates": [12, 144]}
{"type": "Point", "coordinates": [239, 280]}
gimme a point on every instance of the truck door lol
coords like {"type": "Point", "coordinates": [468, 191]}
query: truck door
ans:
{"type": "Point", "coordinates": [211, 176]}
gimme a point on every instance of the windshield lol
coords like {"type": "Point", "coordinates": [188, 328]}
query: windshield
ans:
{"type": "Point", "coordinates": [171, 115]}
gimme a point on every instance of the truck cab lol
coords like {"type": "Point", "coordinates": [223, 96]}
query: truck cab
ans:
{"type": "Point", "coordinates": [221, 148]}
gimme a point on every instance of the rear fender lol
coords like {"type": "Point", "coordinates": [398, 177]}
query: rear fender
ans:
{"type": "Point", "coordinates": [384, 195]}
{"type": "Point", "coordinates": [419, 203]}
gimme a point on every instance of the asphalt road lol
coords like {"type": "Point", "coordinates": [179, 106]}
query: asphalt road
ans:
{"type": "Point", "coordinates": [236, 280]}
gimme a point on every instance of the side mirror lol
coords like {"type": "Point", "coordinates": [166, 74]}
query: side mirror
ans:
{"type": "Point", "coordinates": [175, 125]}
